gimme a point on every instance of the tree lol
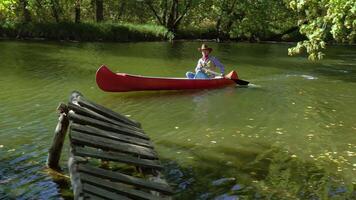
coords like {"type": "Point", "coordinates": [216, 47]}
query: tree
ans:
{"type": "Point", "coordinates": [99, 10]}
{"type": "Point", "coordinates": [25, 12]}
{"type": "Point", "coordinates": [169, 13]}
{"type": "Point", "coordinates": [321, 21]}
{"type": "Point", "coordinates": [7, 10]}
{"type": "Point", "coordinates": [227, 15]}
{"type": "Point", "coordinates": [55, 10]}
{"type": "Point", "coordinates": [77, 11]}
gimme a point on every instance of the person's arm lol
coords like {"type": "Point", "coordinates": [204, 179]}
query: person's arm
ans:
{"type": "Point", "coordinates": [218, 64]}
{"type": "Point", "coordinates": [199, 66]}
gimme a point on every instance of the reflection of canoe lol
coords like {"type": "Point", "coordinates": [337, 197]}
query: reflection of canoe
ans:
{"type": "Point", "coordinates": [120, 82]}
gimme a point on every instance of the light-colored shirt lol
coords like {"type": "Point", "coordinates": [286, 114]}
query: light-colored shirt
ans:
{"type": "Point", "coordinates": [209, 63]}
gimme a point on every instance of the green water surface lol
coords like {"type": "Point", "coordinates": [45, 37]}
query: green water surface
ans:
{"type": "Point", "coordinates": [289, 135]}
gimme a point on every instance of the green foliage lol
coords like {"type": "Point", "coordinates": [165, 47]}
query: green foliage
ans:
{"type": "Point", "coordinates": [7, 10]}
{"type": "Point", "coordinates": [262, 20]}
{"type": "Point", "coordinates": [322, 20]}
{"type": "Point", "coordinates": [85, 31]}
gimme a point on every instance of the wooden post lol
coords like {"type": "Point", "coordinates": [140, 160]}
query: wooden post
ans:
{"type": "Point", "coordinates": [56, 149]}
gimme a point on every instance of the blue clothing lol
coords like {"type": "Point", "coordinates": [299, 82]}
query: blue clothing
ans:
{"type": "Point", "coordinates": [210, 63]}
{"type": "Point", "coordinates": [198, 75]}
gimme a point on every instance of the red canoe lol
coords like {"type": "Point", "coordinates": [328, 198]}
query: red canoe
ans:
{"type": "Point", "coordinates": [121, 82]}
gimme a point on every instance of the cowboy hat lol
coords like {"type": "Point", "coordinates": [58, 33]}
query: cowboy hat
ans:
{"type": "Point", "coordinates": [205, 47]}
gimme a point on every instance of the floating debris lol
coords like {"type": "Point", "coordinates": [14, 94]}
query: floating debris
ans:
{"type": "Point", "coordinates": [293, 156]}
{"type": "Point", "coordinates": [176, 127]}
{"type": "Point", "coordinates": [236, 187]}
{"type": "Point", "coordinates": [1, 146]}
{"type": "Point", "coordinates": [128, 115]}
{"type": "Point", "coordinates": [222, 181]}
{"type": "Point", "coordinates": [279, 132]}
{"type": "Point", "coordinates": [213, 141]}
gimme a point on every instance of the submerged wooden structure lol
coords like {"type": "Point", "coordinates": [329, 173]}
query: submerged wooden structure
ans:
{"type": "Point", "coordinates": [106, 151]}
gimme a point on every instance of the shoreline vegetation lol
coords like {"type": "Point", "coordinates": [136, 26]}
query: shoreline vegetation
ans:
{"type": "Point", "coordinates": [312, 25]}
{"type": "Point", "coordinates": [121, 32]}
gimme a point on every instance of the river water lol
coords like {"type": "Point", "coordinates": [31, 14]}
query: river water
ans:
{"type": "Point", "coordinates": [289, 135]}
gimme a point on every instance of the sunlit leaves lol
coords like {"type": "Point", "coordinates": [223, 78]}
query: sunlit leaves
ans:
{"type": "Point", "coordinates": [322, 20]}
{"type": "Point", "coordinates": [7, 9]}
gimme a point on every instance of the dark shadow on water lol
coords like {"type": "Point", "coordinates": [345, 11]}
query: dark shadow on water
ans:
{"type": "Point", "coordinates": [268, 173]}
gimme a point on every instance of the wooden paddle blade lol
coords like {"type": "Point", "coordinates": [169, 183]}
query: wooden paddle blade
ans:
{"type": "Point", "coordinates": [241, 82]}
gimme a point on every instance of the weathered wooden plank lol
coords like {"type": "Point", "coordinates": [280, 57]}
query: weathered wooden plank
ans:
{"type": "Point", "coordinates": [75, 175]}
{"type": "Point", "coordinates": [111, 135]}
{"type": "Point", "coordinates": [105, 111]}
{"type": "Point", "coordinates": [88, 196]}
{"type": "Point", "coordinates": [115, 156]}
{"type": "Point", "coordinates": [104, 143]}
{"type": "Point", "coordinates": [104, 125]}
{"type": "Point", "coordinates": [97, 191]}
{"type": "Point", "coordinates": [89, 113]}
{"type": "Point", "coordinates": [118, 187]}
{"type": "Point", "coordinates": [116, 176]}
{"type": "Point", "coordinates": [60, 132]}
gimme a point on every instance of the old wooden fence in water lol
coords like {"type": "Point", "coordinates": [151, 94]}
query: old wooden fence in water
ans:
{"type": "Point", "coordinates": [110, 155]}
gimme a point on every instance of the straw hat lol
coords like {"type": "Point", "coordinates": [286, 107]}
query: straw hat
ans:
{"type": "Point", "coordinates": [205, 47]}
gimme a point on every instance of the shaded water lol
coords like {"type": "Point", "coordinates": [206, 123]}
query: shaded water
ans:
{"type": "Point", "coordinates": [290, 134]}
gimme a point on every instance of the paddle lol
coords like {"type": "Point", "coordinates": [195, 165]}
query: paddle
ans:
{"type": "Point", "coordinates": [237, 81]}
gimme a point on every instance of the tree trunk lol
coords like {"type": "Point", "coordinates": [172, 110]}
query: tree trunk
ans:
{"type": "Point", "coordinates": [121, 10]}
{"type": "Point", "coordinates": [25, 11]}
{"type": "Point", "coordinates": [99, 11]}
{"type": "Point", "coordinates": [77, 11]}
{"type": "Point", "coordinates": [55, 9]}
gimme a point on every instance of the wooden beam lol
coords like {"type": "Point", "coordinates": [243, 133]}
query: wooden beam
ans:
{"type": "Point", "coordinates": [104, 125]}
{"type": "Point", "coordinates": [111, 135]}
{"type": "Point", "coordinates": [118, 187]}
{"type": "Point", "coordinates": [116, 176]}
{"type": "Point", "coordinates": [75, 179]}
{"type": "Point", "coordinates": [55, 150]}
{"type": "Point", "coordinates": [107, 144]}
{"type": "Point", "coordinates": [106, 194]}
{"type": "Point", "coordinates": [115, 156]}
{"type": "Point", "coordinates": [89, 113]}
{"type": "Point", "coordinates": [105, 111]}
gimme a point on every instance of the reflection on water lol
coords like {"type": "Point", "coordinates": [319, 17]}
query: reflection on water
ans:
{"type": "Point", "coordinates": [287, 135]}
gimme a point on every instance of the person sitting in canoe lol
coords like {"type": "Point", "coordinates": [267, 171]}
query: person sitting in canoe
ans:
{"type": "Point", "coordinates": [206, 65]}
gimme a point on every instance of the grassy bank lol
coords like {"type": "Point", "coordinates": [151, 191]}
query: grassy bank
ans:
{"type": "Point", "coordinates": [118, 32]}
{"type": "Point", "coordinates": [85, 31]}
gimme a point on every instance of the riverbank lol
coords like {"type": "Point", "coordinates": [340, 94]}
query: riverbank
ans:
{"type": "Point", "coordinates": [85, 32]}
{"type": "Point", "coordinates": [121, 32]}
